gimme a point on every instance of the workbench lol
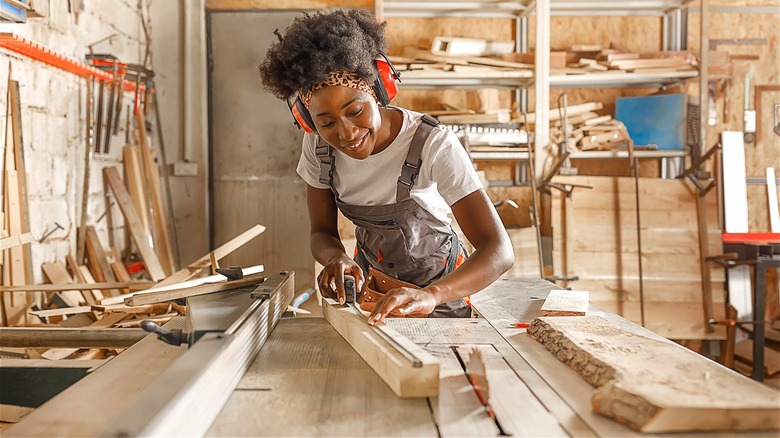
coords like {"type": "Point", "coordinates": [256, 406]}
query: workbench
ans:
{"type": "Point", "coordinates": [306, 380]}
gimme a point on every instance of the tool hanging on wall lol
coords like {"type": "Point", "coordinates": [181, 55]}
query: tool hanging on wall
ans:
{"type": "Point", "coordinates": [750, 114]}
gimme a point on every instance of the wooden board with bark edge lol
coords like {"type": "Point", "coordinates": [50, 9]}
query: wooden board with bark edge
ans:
{"type": "Point", "coordinates": [395, 369]}
{"type": "Point", "coordinates": [653, 385]}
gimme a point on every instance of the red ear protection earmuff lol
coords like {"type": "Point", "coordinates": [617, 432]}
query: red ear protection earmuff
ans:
{"type": "Point", "coordinates": [385, 87]}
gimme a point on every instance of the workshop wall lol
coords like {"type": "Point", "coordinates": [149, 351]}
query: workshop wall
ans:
{"type": "Point", "coordinates": [53, 117]}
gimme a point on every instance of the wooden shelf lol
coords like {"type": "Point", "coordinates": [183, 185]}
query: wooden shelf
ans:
{"type": "Point", "coordinates": [422, 79]}
{"type": "Point", "coordinates": [624, 154]}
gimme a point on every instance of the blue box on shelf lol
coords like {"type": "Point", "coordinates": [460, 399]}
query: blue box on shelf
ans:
{"type": "Point", "coordinates": [658, 120]}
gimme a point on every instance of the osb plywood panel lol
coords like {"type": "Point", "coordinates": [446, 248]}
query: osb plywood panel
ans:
{"type": "Point", "coordinates": [764, 71]}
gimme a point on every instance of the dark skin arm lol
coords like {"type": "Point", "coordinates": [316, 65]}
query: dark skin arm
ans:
{"type": "Point", "coordinates": [493, 255]}
{"type": "Point", "coordinates": [326, 246]}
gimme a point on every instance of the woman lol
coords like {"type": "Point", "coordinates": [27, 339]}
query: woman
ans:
{"type": "Point", "coordinates": [393, 172]}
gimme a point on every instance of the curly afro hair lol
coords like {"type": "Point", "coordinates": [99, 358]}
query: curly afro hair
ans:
{"type": "Point", "coordinates": [314, 46]}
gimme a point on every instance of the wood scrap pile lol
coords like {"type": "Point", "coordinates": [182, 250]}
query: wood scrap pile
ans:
{"type": "Point", "coordinates": [87, 287]}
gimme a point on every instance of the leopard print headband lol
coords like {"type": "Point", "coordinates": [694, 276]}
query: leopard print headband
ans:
{"type": "Point", "coordinates": [337, 78]}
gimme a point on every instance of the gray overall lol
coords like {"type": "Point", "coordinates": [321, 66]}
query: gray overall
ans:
{"type": "Point", "coordinates": [403, 240]}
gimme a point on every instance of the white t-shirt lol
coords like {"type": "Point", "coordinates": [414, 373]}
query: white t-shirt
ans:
{"type": "Point", "coordinates": [446, 175]}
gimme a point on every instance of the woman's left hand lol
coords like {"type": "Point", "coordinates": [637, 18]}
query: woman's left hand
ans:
{"type": "Point", "coordinates": [405, 300]}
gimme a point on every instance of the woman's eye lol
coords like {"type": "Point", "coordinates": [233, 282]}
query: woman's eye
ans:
{"type": "Point", "coordinates": [326, 125]}
{"type": "Point", "coordinates": [356, 112]}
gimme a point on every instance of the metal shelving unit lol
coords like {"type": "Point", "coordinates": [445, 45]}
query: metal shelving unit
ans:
{"type": "Point", "coordinates": [673, 12]}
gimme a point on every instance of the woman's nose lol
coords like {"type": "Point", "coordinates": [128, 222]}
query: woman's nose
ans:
{"type": "Point", "coordinates": [347, 131]}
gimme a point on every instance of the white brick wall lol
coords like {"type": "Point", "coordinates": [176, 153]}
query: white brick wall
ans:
{"type": "Point", "coordinates": [53, 117]}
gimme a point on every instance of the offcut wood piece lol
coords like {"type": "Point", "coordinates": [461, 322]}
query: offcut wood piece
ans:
{"type": "Point", "coordinates": [571, 111]}
{"type": "Point", "coordinates": [120, 272]}
{"type": "Point", "coordinates": [88, 279]}
{"type": "Point", "coordinates": [565, 303]}
{"type": "Point", "coordinates": [204, 262]}
{"type": "Point", "coordinates": [162, 240]}
{"type": "Point", "coordinates": [97, 261]}
{"type": "Point", "coordinates": [396, 369]}
{"type": "Point", "coordinates": [89, 295]}
{"type": "Point", "coordinates": [173, 288]}
{"type": "Point", "coordinates": [655, 386]}
{"type": "Point", "coordinates": [140, 237]}
{"type": "Point", "coordinates": [152, 296]}
{"type": "Point", "coordinates": [443, 45]}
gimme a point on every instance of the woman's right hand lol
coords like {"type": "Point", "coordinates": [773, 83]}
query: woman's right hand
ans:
{"type": "Point", "coordinates": [331, 279]}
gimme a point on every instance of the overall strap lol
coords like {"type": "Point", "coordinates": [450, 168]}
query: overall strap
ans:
{"type": "Point", "coordinates": [324, 153]}
{"type": "Point", "coordinates": [411, 168]}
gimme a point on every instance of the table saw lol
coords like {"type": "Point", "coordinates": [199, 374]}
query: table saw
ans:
{"type": "Point", "coordinates": [252, 372]}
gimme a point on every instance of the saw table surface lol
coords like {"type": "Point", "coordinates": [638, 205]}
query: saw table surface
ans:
{"type": "Point", "coordinates": [308, 381]}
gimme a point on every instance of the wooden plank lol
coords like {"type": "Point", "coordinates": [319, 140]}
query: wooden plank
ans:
{"type": "Point", "coordinates": [120, 272]}
{"type": "Point", "coordinates": [507, 392]}
{"type": "Point", "coordinates": [223, 250]}
{"type": "Point", "coordinates": [152, 297]}
{"type": "Point", "coordinates": [14, 305]}
{"type": "Point", "coordinates": [83, 337]}
{"type": "Point", "coordinates": [173, 288]}
{"type": "Point", "coordinates": [135, 183]}
{"type": "Point", "coordinates": [87, 276]}
{"type": "Point", "coordinates": [14, 241]}
{"type": "Point", "coordinates": [59, 312]}
{"type": "Point", "coordinates": [565, 303]}
{"type": "Point", "coordinates": [135, 285]}
{"type": "Point", "coordinates": [162, 241]}
{"type": "Point", "coordinates": [735, 205]}
{"type": "Point", "coordinates": [89, 295]}
{"type": "Point", "coordinates": [140, 238]}
{"type": "Point", "coordinates": [13, 413]}
{"type": "Point", "coordinates": [457, 410]}
{"type": "Point", "coordinates": [395, 369]}
{"type": "Point", "coordinates": [97, 261]}
{"type": "Point", "coordinates": [654, 386]}
{"type": "Point", "coordinates": [771, 193]}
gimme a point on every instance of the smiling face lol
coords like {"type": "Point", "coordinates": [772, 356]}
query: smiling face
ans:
{"type": "Point", "coordinates": [349, 120]}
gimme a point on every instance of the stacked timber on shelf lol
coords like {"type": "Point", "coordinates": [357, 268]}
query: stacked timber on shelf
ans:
{"type": "Point", "coordinates": [593, 59]}
{"type": "Point", "coordinates": [595, 239]}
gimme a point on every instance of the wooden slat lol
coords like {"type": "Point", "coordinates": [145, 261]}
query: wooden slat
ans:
{"type": "Point", "coordinates": [212, 279]}
{"type": "Point", "coordinates": [395, 369]}
{"type": "Point", "coordinates": [14, 241]}
{"type": "Point", "coordinates": [142, 298]}
{"type": "Point", "coordinates": [223, 250]}
{"type": "Point", "coordinates": [656, 386]}
{"type": "Point", "coordinates": [140, 238]}
{"type": "Point", "coordinates": [15, 304]}
{"type": "Point", "coordinates": [135, 183]}
{"type": "Point", "coordinates": [89, 295]}
{"type": "Point", "coordinates": [162, 241]}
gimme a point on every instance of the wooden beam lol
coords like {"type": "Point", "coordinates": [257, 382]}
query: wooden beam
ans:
{"type": "Point", "coordinates": [656, 386]}
{"type": "Point", "coordinates": [394, 367]}
{"type": "Point", "coordinates": [14, 241]}
{"type": "Point", "coordinates": [97, 261]}
{"type": "Point", "coordinates": [57, 337]}
{"type": "Point", "coordinates": [138, 285]}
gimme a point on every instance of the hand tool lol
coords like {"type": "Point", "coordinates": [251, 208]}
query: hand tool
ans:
{"type": "Point", "coordinates": [232, 273]}
{"type": "Point", "coordinates": [99, 123]}
{"type": "Point", "coordinates": [351, 294]}
{"type": "Point", "coordinates": [109, 117]}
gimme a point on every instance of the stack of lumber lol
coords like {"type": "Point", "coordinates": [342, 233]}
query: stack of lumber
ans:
{"type": "Point", "coordinates": [595, 238]}
{"type": "Point", "coordinates": [593, 59]}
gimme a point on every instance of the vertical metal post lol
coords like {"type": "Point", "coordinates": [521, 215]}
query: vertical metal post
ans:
{"type": "Point", "coordinates": [703, 80]}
